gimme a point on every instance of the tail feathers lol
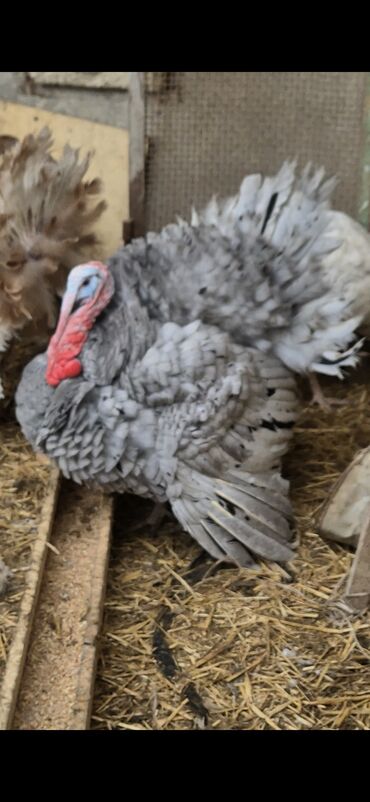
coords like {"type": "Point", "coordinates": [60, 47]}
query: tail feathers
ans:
{"type": "Point", "coordinates": [230, 548]}
{"type": "Point", "coordinates": [269, 488]}
{"type": "Point", "coordinates": [299, 227]}
{"type": "Point", "coordinates": [218, 543]}
{"type": "Point", "coordinates": [288, 214]}
{"type": "Point", "coordinates": [286, 209]}
{"type": "Point", "coordinates": [47, 212]}
{"type": "Point", "coordinates": [263, 199]}
{"type": "Point", "coordinates": [235, 519]}
{"type": "Point", "coordinates": [332, 362]}
{"type": "Point", "coordinates": [258, 200]}
{"type": "Point", "coordinates": [324, 344]}
{"type": "Point", "coordinates": [44, 198]}
{"type": "Point", "coordinates": [312, 183]}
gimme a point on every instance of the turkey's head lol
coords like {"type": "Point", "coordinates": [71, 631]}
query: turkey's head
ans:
{"type": "Point", "coordinates": [89, 290]}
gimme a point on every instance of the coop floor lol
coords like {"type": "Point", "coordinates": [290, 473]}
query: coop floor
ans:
{"type": "Point", "coordinates": [189, 644]}
{"type": "Point", "coordinates": [191, 647]}
{"type": "Point", "coordinates": [23, 482]}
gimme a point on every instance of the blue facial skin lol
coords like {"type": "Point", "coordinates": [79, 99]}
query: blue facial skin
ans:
{"type": "Point", "coordinates": [88, 288]}
{"type": "Point", "coordinates": [82, 283]}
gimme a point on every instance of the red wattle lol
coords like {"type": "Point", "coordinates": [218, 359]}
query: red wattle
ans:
{"type": "Point", "coordinates": [57, 372]}
{"type": "Point", "coordinates": [62, 362]}
{"type": "Point", "coordinates": [71, 335]}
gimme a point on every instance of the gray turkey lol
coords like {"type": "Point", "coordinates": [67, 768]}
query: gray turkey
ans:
{"type": "Point", "coordinates": [173, 412]}
{"type": "Point", "coordinates": [274, 266]}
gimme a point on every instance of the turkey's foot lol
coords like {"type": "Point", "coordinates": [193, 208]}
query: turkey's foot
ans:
{"type": "Point", "coordinates": [153, 521]}
{"type": "Point", "coordinates": [318, 397]}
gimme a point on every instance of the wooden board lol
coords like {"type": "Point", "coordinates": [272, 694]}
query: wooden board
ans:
{"type": "Point", "coordinates": [364, 210]}
{"type": "Point", "coordinates": [137, 153]}
{"type": "Point", "coordinates": [86, 80]}
{"type": "Point", "coordinates": [18, 651]}
{"type": "Point", "coordinates": [110, 162]}
{"type": "Point", "coordinates": [55, 682]}
{"type": "Point", "coordinates": [345, 519]}
{"type": "Point", "coordinates": [357, 593]}
{"type": "Point", "coordinates": [348, 505]}
{"type": "Point", "coordinates": [97, 80]}
{"type": "Point", "coordinates": [81, 710]}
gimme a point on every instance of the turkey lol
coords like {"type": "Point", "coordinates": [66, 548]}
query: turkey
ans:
{"type": "Point", "coordinates": [46, 214]}
{"type": "Point", "coordinates": [174, 412]}
{"type": "Point", "coordinates": [298, 213]}
{"type": "Point", "coordinates": [274, 266]}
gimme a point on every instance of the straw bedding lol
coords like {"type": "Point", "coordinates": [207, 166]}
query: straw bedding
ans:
{"type": "Point", "coordinates": [188, 643]}
{"type": "Point", "coordinates": [23, 481]}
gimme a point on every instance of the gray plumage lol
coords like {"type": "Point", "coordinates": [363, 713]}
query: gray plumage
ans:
{"type": "Point", "coordinates": [173, 413]}
{"type": "Point", "coordinates": [274, 266]}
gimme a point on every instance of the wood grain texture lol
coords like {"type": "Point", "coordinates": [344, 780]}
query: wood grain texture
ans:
{"type": "Point", "coordinates": [137, 151]}
{"type": "Point", "coordinates": [18, 650]}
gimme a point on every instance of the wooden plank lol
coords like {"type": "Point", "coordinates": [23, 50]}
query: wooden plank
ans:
{"type": "Point", "coordinates": [18, 650]}
{"type": "Point", "coordinates": [346, 509]}
{"type": "Point", "coordinates": [57, 683]}
{"type": "Point", "coordinates": [357, 593]}
{"type": "Point", "coordinates": [364, 207]}
{"type": "Point", "coordinates": [110, 162]}
{"type": "Point", "coordinates": [155, 81]}
{"type": "Point", "coordinates": [81, 712]}
{"type": "Point", "coordinates": [137, 151]}
{"type": "Point", "coordinates": [345, 518]}
{"type": "Point", "coordinates": [84, 80]}
{"type": "Point", "coordinates": [127, 231]}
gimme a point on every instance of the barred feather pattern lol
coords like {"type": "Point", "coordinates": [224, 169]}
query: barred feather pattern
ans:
{"type": "Point", "coordinates": [186, 417]}
{"type": "Point", "coordinates": [272, 266]}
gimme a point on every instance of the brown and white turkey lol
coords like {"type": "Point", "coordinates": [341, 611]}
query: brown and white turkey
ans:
{"type": "Point", "coordinates": [47, 212]}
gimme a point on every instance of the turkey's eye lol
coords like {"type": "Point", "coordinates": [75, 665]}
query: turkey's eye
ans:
{"type": "Point", "coordinates": [85, 283]}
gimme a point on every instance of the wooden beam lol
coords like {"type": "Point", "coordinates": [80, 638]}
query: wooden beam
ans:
{"type": "Point", "coordinates": [357, 593]}
{"type": "Point", "coordinates": [347, 507]}
{"type": "Point", "coordinates": [84, 80]}
{"type": "Point", "coordinates": [127, 231]}
{"type": "Point", "coordinates": [364, 204]}
{"type": "Point", "coordinates": [137, 151]}
{"type": "Point", "coordinates": [57, 681]}
{"type": "Point", "coordinates": [345, 518]}
{"type": "Point", "coordinates": [81, 711]}
{"type": "Point", "coordinates": [18, 651]}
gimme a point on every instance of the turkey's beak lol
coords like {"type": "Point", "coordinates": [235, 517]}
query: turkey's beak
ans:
{"type": "Point", "coordinates": [66, 308]}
